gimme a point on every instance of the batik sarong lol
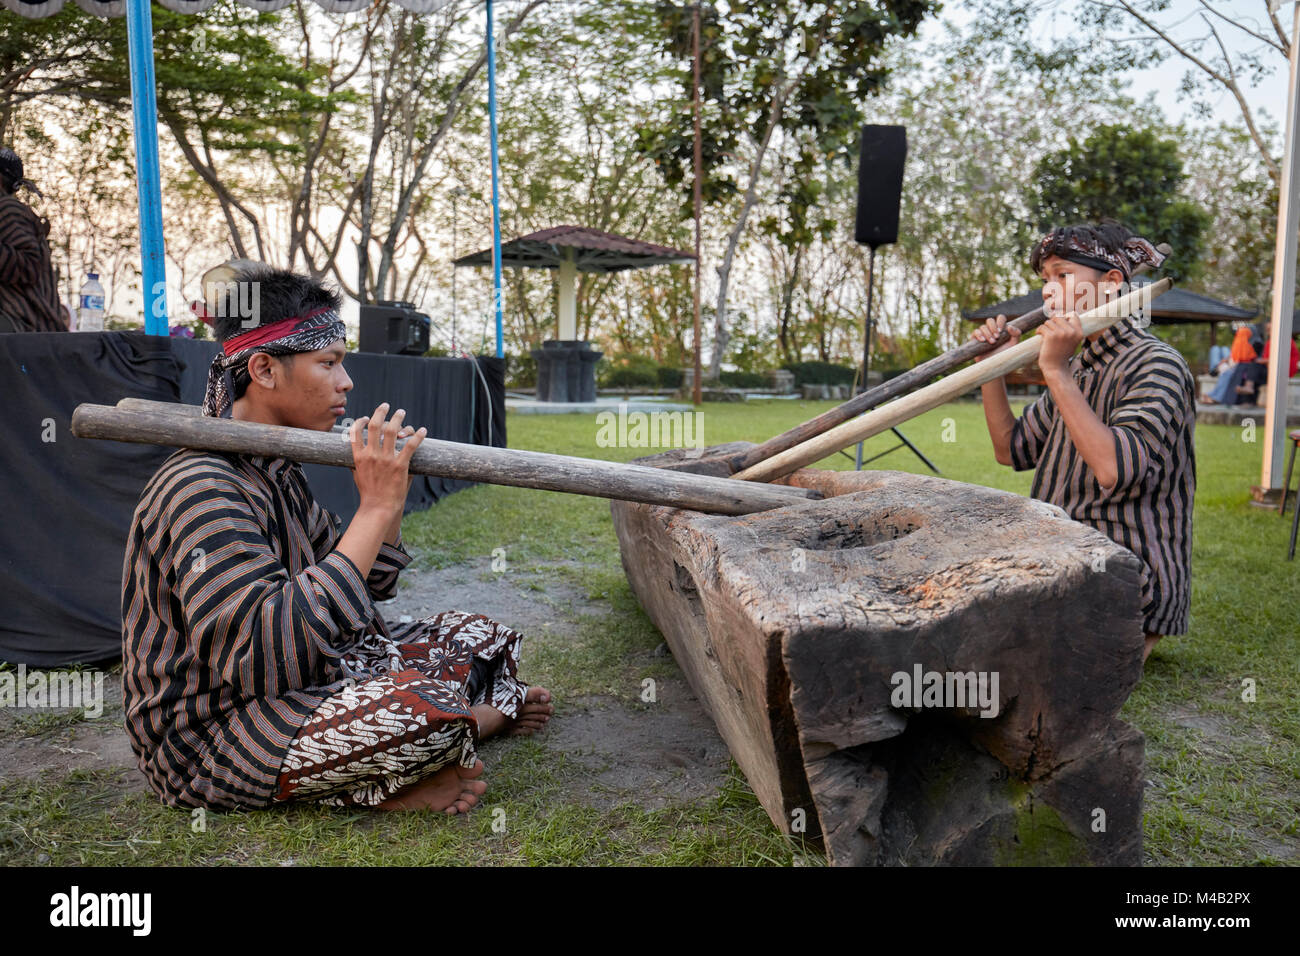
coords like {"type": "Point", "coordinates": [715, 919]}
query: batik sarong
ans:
{"type": "Point", "coordinates": [403, 711]}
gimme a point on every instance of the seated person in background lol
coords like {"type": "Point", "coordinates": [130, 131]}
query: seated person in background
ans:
{"type": "Point", "coordinates": [1225, 390]}
{"type": "Point", "coordinates": [1220, 358]}
{"type": "Point", "coordinates": [256, 668]}
{"type": "Point", "coordinates": [29, 290]}
{"type": "Point", "coordinates": [1256, 376]}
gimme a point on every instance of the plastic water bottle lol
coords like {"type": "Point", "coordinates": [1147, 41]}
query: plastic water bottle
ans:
{"type": "Point", "coordinates": [90, 317]}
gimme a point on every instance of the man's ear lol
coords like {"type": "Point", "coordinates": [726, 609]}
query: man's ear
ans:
{"type": "Point", "coordinates": [1111, 283]}
{"type": "Point", "coordinates": [262, 369]}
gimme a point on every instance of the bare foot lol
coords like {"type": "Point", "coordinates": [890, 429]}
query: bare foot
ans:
{"type": "Point", "coordinates": [451, 790]}
{"type": "Point", "coordinates": [533, 715]}
{"type": "Point", "coordinates": [537, 710]}
{"type": "Point", "coordinates": [1150, 646]}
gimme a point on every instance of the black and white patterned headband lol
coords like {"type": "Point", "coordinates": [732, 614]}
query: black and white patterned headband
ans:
{"type": "Point", "coordinates": [1089, 252]}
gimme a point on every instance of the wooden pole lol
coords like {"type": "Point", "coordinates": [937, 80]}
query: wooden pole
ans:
{"type": "Point", "coordinates": [865, 401]}
{"type": "Point", "coordinates": [1284, 286]}
{"type": "Point", "coordinates": [932, 396]}
{"type": "Point", "coordinates": [444, 459]}
{"type": "Point", "coordinates": [697, 194]}
{"type": "Point", "coordinates": [900, 385]}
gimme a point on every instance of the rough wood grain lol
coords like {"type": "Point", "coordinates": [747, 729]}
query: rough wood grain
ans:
{"type": "Point", "coordinates": [446, 459]}
{"type": "Point", "coordinates": [150, 405]}
{"type": "Point", "coordinates": [792, 623]}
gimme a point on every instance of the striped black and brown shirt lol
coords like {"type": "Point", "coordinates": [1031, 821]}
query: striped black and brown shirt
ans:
{"type": "Point", "coordinates": [235, 610]}
{"type": "Point", "coordinates": [29, 295]}
{"type": "Point", "coordinates": [1144, 391]}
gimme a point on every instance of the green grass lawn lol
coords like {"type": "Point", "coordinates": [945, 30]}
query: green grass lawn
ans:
{"type": "Point", "coordinates": [1225, 771]}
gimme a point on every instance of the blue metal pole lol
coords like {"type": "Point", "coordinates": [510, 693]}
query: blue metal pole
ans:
{"type": "Point", "coordinates": [139, 32]}
{"type": "Point", "coordinates": [496, 201]}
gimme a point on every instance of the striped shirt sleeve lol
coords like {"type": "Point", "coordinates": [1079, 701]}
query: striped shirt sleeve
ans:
{"type": "Point", "coordinates": [381, 581]}
{"type": "Point", "coordinates": [263, 630]}
{"type": "Point", "coordinates": [1029, 433]}
{"type": "Point", "coordinates": [20, 248]}
{"type": "Point", "coordinates": [1145, 419]}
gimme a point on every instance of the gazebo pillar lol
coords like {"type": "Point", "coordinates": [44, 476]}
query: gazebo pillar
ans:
{"type": "Point", "coordinates": [568, 298]}
{"type": "Point", "coordinates": [566, 365]}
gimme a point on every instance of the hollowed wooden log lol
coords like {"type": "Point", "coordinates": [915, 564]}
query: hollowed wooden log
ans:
{"type": "Point", "coordinates": [790, 625]}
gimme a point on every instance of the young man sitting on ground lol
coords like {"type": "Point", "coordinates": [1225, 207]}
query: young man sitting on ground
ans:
{"type": "Point", "coordinates": [256, 667]}
{"type": "Point", "coordinates": [1111, 441]}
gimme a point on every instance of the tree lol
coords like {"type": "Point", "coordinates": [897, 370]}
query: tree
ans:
{"type": "Point", "coordinates": [1211, 63]}
{"type": "Point", "coordinates": [44, 58]}
{"type": "Point", "coordinates": [1104, 40]}
{"type": "Point", "coordinates": [977, 110]}
{"type": "Point", "coordinates": [774, 70]}
{"type": "Point", "coordinates": [1228, 178]}
{"type": "Point", "coordinates": [83, 163]}
{"type": "Point", "coordinates": [572, 91]}
{"type": "Point", "coordinates": [420, 81]}
{"type": "Point", "coordinates": [1128, 174]}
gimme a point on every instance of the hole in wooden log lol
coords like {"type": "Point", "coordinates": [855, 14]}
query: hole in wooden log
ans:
{"type": "Point", "coordinates": [686, 584]}
{"type": "Point", "coordinates": [866, 531]}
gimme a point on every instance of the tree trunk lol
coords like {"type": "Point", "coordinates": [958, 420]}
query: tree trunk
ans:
{"type": "Point", "coordinates": [721, 332]}
{"type": "Point", "coordinates": [787, 301]}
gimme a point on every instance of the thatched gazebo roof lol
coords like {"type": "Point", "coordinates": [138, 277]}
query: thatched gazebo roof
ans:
{"type": "Point", "coordinates": [590, 250]}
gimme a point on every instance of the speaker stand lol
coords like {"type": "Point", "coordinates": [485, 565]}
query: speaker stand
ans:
{"type": "Point", "coordinates": [866, 365]}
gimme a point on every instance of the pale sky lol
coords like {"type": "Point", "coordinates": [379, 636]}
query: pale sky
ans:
{"type": "Point", "coordinates": [1185, 20]}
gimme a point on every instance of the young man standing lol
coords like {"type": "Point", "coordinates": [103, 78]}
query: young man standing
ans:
{"type": "Point", "coordinates": [1111, 441]}
{"type": "Point", "coordinates": [256, 667]}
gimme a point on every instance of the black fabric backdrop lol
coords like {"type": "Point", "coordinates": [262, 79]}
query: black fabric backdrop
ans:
{"type": "Point", "coordinates": [67, 502]}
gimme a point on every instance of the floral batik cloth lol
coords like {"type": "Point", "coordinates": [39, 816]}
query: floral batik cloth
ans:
{"type": "Point", "coordinates": [403, 711]}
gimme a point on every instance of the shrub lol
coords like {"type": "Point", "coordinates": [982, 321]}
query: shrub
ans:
{"type": "Point", "coordinates": [521, 371]}
{"type": "Point", "coordinates": [670, 377]}
{"type": "Point", "coordinates": [743, 379]}
{"type": "Point", "coordinates": [821, 373]}
{"type": "Point", "coordinates": [630, 377]}
{"type": "Point", "coordinates": [630, 371]}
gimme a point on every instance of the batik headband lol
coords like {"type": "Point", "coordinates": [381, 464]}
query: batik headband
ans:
{"type": "Point", "coordinates": [302, 333]}
{"type": "Point", "coordinates": [1087, 251]}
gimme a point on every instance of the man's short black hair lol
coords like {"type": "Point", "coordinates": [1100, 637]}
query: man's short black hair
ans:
{"type": "Point", "coordinates": [1109, 233]}
{"type": "Point", "coordinates": [261, 295]}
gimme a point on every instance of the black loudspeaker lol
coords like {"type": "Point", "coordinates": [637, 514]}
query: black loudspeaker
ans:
{"type": "Point", "coordinates": [880, 184]}
{"type": "Point", "coordinates": [393, 328]}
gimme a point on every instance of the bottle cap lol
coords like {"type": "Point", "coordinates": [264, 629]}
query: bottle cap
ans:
{"type": "Point", "coordinates": [93, 275]}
